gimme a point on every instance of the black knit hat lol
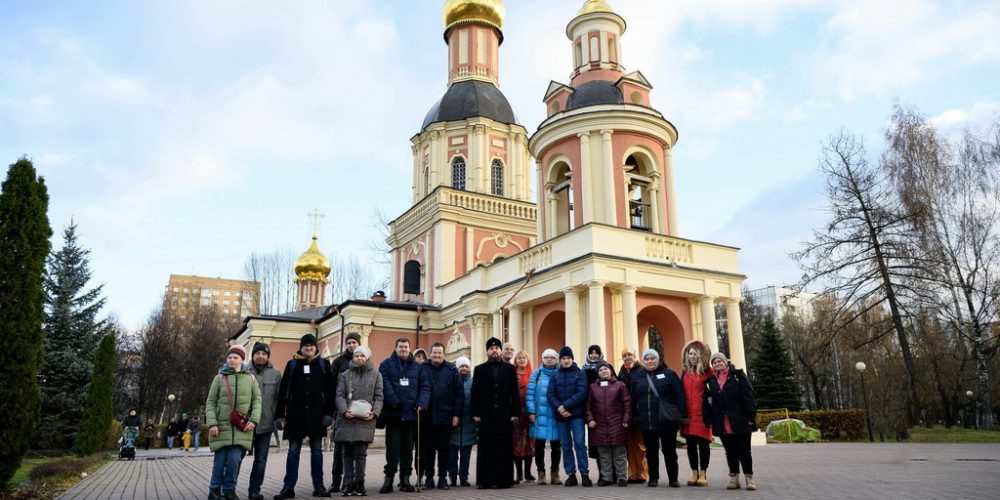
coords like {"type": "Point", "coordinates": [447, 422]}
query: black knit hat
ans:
{"type": "Point", "coordinates": [566, 352]}
{"type": "Point", "coordinates": [307, 339]}
{"type": "Point", "coordinates": [260, 346]}
{"type": "Point", "coordinates": [353, 335]}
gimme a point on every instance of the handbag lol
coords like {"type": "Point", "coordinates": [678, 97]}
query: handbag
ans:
{"type": "Point", "coordinates": [668, 413]}
{"type": "Point", "coordinates": [239, 420]}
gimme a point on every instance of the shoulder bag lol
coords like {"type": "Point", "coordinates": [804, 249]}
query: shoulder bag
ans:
{"type": "Point", "coordinates": [669, 413]}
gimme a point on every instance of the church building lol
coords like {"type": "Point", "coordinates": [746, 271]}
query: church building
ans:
{"type": "Point", "coordinates": [593, 256]}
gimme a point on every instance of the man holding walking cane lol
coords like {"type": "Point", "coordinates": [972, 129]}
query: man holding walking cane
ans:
{"type": "Point", "coordinates": [406, 393]}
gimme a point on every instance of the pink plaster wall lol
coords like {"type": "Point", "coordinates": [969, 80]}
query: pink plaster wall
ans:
{"type": "Point", "coordinates": [538, 315]}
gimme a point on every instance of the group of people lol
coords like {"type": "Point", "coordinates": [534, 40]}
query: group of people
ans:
{"type": "Point", "coordinates": [434, 412]}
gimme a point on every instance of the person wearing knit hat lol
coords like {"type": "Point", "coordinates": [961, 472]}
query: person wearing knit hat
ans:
{"type": "Point", "coordinates": [268, 379]}
{"type": "Point", "coordinates": [340, 365]}
{"type": "Point", "coordinates": [463, 436]}
{"type": "Point", "coordinates": [233, 389]}
{"type": "Point", "coordinates": [732, 412]}
{"type": "Point", "coordinates": [568, 395]}
{"type": "Point", "coordinates": [654, 389]}
{"type": "Point", "coordinates": [496, 405]}
{"type": "Point", "coordinates": [541, 414]}
{"type": "Point", "coordinates": [306, 405]}
{"type": "Point", "coordinates": [636, 450]}
{"type": "Point", "coordinates": [360, 399]}
{"type": "Point", "coordinates": [363, 350]}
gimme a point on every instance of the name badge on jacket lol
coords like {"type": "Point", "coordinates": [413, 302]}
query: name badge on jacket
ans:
{"type": "Point", "coordinates": [404, 382]}
{"type": "Point", "coordinates": [660, 376]}
{"type": "Point", "coordinates": [305, 369]}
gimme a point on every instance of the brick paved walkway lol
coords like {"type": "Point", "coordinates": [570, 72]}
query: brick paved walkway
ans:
{"type": "Point", "coordinates": [802, 471]}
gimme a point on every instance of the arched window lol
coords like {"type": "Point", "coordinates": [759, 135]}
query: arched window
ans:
{"type": "Point", "coordinates": [496, 178]}
{"type": "Point", "coordinates": [640, 199]}
{"type": "Point", "coordinates": [458, 173]}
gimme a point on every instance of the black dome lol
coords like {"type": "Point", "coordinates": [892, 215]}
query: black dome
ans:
{"type": "Point", "coordinates": [594, 93]}
{"type": "Point", "coordinates": [469, 99]}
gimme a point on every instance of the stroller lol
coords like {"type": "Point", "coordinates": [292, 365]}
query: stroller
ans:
{"type": "Point", "coordinates": [128, 439]}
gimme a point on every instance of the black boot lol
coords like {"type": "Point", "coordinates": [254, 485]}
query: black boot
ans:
{"type": "Point", "coordinates": [335, 487]}
{"type": "Point", "coordinates": [387, 485]}
{"type": "Point", "coordinates": [359, 489]}
{"type": "Point", "coordinates": [585, 480]}
{"type": "Point", "coordinates": [404, 484]}
{"type": "Point", "coordinates": [570, 480]}
{"type": "Point", "coordinates": [527, 470]}
{"type": "Point", "coordinates": [518, 470]}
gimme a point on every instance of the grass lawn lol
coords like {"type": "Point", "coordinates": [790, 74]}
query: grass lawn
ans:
{"type": "Point", "coordinates": [953, 435]}
{"type": "Point", "coordinates": [29, 462]}
{"type": "Point", "coordinates": [44, 477]}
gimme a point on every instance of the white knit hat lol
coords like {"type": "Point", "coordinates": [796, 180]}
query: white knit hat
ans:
{"type": "Point", "coordinates": [463, 361]}
{"type": "Point", "coordinates": [550, 353]}
{"type": "Point", "coordinates": [363, 350]}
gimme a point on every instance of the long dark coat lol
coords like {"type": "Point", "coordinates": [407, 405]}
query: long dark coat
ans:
{"type": "Point", "coordinates": [304, 399]}
{"type": "Point", "coordinates": [735, 399]}
{"type": "Point", "coordinates": [495, 398]}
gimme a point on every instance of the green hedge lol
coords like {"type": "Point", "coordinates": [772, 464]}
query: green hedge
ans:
{"type": "Point", "coordinates": [835, 425]}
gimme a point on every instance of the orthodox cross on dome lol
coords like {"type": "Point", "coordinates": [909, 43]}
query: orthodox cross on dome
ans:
{"type": "Point", "coordinates": [315, 215]}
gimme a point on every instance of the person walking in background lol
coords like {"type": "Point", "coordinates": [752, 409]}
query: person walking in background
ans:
{"type": "Point", "coordinates": [463, 436]}
{"type": "Point", "coordinates": [444, 411]}
{"type": "Point", "coordinates": [194, 426]}
{"type": "Point", "coordinates": [496, 408]}
{"type": "Point", "coordinates": [359, 402]}
{"type": "Point", "coordinates": [406, 391]}
{"type": "Point", "coordinates": [654, 383]}
{"type": "Point", "coordinates": [232, 412]}
{"type": "Point", "coordinates": [543, 417]}
{"type": "Point", "coordinates": [695, 372]}
{"type": "Point", "coordinates": [149, 432]}
{"type": "Point", "coordinates": [305, 410]}
{"type": "Point", "coordinates": [637, 470]}
{"type": "Point", "coordinates": [341, 365]}
{"type": "Point", "coordinates": [568, 395]}
{"type": "Point", "coordinates": [182, 427]}
{"type": "Point", "coordinates": [171, 433]}
{"type": "Point", "coordinates": [609, 411]}
{"type": "Point", "coordinates": [524, 446]}
{"type": "Point", "coordinates": [730, 407]}
{"type": "Point", "coordinates": [269, 380]}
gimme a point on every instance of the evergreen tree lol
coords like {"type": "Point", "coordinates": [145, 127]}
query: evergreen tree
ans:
{"type": "Point", "coordinates": [773, 378]}
{"type": "Point", "coordinates": [92, 435]}
{"type": "Point", "coordinates": [24, 243]}
{"type": "Point", "coordinates": [72, 330]}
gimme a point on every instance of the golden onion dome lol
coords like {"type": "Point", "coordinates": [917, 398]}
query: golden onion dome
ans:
{"type": "Point", "coordinates": [490, 12]}
{"type": "Point", "coordinates": [592, 6]}
{"type": "Point", "coordinates": [312, 265]}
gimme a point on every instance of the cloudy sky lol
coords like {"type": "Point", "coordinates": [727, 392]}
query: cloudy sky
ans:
{"type": "Point", "coordinates": [183, 135]}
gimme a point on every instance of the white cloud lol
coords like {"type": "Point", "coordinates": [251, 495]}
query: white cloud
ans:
{"type": "Point", "coordinates": [978, 115]}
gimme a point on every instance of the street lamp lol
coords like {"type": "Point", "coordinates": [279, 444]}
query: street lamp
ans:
{"type": "Point", "coordinates": [970, 395]}
{"type": "Point", "coordinates": [170, 411]}
{"type": "Point", "coordinates": [860, 367]}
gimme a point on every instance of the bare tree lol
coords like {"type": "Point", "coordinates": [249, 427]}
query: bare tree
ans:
{"type": "Point", "coordinates": [351, 280]}
{"type": "Point", "coordinates": [950, 189]}
{"type": "Point", "coordinates": [276, 274]}
{"type": "Point", "coordinates": [861, 254]}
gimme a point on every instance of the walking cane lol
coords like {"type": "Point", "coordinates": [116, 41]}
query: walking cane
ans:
{"type": "Point", "coordinates": [419, 451]}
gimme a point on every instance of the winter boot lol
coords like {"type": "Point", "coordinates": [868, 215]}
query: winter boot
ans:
{"type": "Point", "coordinates": [518, 470]}
{"type": "Point", "coordinates": [585, 480]}
{"type": "Point", "coordinates": [555, 477]}
{"type": "Point", "coordinates": [387, 485]}
{"type": "Point", "coordinates": [694, 478]}
{"type": "Point", "coordinates": [359, 489]}
{"type": "Point", "coordinates": [751, 485]}
{"type": "Point", "coordinates": [335, 487]}
{"type": "Point", "coordinates": [527, 470]}
{"type": "Point", "coordinates": [429, 483]}
{"type": "Point", "coordinates": [541, 476]}
{"type": "Point", "coordinates": [404, 484]}
{"type": "Point", "coordinates": [734, 482]}
{"type": "Point", "coordinates": [702, 478]}
{"type": "Point", "coordinates": [571, 480]}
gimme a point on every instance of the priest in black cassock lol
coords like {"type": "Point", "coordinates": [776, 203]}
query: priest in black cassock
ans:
{"type": "Point", "coordinates": [495, 405]}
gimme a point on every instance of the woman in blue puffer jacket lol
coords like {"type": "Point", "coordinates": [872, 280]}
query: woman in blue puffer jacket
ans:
{"type": "Point", "coordinates": [542, 416]}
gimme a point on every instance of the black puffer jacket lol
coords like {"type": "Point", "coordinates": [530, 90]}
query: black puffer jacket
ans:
{"type": "Point", "coordinates": [735, 399]}
{"type": "Point", "coordinates": [646, 408]}
{"type": "Point", "coordinates": [304, 399]}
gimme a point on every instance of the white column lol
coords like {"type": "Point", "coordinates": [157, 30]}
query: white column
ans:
{"type": "Point", "coordinates": [597, 325]}
{"type": "Point", "coordinates": [586, 198]}
{"type": "Point", "coordinates": [551, 211]}
{"type": "Point", "coordinates": [417, 170]}
{"type": "Point", "coordinates": [608, 170]}
{"type": "Point", "coordinates": [440, 166]}
{"type": "Point", "coordinates": [573, 337]}
{"type": "Point", "coordinates": [478, 347]}
{"type": "Point", "coordinates": [668, 172]}
{"type": "Point", "coordinates": [656, 207]}
{"type": "Point", "coordinates": [498, 324]}
{"type": "Point", "coordinates": [474, 163]}
{"type": "Point", "coordinates": [735, 327]}
{"type": "Point", "coordinates": [708, 323]}
{"type": "Point", "coordinates": [540, 229]}
{"type": "Point", "coordinates": [514, 330]}
{"type": "Point", "coordinates": [630, 320]}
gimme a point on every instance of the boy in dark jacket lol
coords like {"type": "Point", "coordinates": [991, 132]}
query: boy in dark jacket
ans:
{"type": "Point", "coordinates": [568, 395]}
{"type": "Point", "coordinates": [406, 392]}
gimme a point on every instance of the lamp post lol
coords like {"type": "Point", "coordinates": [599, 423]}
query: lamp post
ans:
{"type": "Point", "coordinates": [860, 367]}
{"type": "Point", "coordinates": [170, 407]}
{"type": "Point", "coordinates": [970, 395]}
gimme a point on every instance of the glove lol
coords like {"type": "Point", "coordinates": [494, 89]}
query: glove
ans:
{"type": "Point", "coordinates": [327, 420]}
{"type": "Point", "coordinates": [279, 424]}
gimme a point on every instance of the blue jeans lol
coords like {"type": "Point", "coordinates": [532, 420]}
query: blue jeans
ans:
{"type": "Point", "coordinates": [170, 442]}
{"type": "Point", "coordinates": [260, 449]}
{"type": "Point", "coordinates": [315, 462]}
{"type": "Point", "coordinates": [225, 469]}
{"type": "Point", "coordinates": [459, 469]}
{"type": "Point", "coordinates": [195, 437]}
{"type": "Point", "coordinates": [571, 437]}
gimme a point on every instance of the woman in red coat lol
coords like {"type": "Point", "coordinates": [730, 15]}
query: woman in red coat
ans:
{"type": "Point", "coordinates": [609, 410]}
{"type": "Point", "coordinates": [524, 446]}
{"type": "Point", "coordinates": [695, 371]}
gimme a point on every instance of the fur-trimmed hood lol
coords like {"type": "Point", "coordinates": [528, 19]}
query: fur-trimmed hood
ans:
{"type": "Point", "coordinates": [706, 354]}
